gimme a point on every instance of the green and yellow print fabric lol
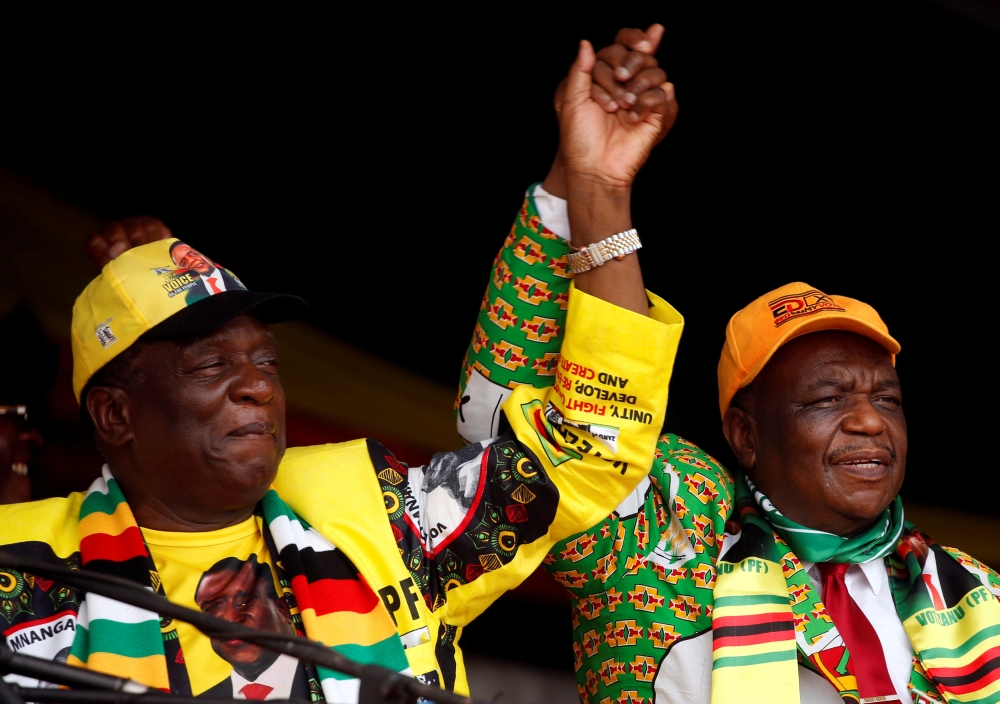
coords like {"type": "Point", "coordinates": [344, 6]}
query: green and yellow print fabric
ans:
{"type": "Point", "coordinates": [523, 314]}
{"type": "Point", "coordinates": [637, 585]}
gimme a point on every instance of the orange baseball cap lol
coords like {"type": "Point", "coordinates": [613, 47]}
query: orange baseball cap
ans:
{"type": "Point", "coordinates": [755, 333]}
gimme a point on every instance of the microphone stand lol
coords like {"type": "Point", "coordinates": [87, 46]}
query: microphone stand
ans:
{"type": "Point", "coordinates": [44, 695]}
{"type": "Point", "coordinates": [59, 673]}
{"type": "Point", "coordinates": [97, 686]}
{"type": "Point", "coordinates": [8, 694]}
{"type": "Point", "coordinates": [378, 684]}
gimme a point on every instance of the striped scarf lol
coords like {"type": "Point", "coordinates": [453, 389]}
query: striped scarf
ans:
{"type": "Point", "coordinates": [767, 619]}
{"type": "Point", "coordinates": [336, 606]}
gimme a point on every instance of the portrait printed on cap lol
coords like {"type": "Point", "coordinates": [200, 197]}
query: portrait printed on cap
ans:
{"type": "Point", "coordinates": [196, 276]}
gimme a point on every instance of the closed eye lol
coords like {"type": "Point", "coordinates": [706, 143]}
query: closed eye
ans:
{"type": "Point", "coordinates": [826, 401]}
{"type": "Point", "coordinates": [212, 363]}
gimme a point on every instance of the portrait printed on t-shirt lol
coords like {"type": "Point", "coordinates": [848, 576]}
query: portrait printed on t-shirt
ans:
{"type": "Point", "coordinates": [243, 592]}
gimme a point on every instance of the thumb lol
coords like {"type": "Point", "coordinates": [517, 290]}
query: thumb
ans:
{"type": "Point", "coordinates": [654, 35]}
{"type": "Point", "coordinates": [580, 79]}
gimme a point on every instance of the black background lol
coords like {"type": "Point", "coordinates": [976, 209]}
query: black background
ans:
{"type": "Point", "coordinates": [373, 163]}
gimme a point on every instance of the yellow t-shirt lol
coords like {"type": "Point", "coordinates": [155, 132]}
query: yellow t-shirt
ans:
{"type": "Point", "coordinates": [229, 573]}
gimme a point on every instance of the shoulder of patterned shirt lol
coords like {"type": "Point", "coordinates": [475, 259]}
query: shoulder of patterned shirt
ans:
{"type": "Point", "coordinates": [699, 475]}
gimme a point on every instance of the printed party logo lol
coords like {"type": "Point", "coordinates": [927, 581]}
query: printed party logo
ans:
{"type": "Point", "coordinates": [798, 305]}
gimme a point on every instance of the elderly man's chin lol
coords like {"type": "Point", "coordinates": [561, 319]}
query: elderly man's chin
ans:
{"type": "Point", "coordinates": [248, 467]}
{"type": "Point", "coordinates": [862, 495]}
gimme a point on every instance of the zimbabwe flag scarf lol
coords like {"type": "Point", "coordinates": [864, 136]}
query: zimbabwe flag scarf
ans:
{"type": "Point", "coordinates": [335, 605]}
{"type": "Point", "coordinates": [767, 618]}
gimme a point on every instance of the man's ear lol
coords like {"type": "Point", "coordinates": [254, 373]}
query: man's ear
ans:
{"type": "Point", "coordinates": [740, 430]}
{"type": "Point", "coordinates": [109, 409]}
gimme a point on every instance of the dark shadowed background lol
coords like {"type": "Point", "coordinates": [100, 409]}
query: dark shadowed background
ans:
{"type": "Point", "coordinates": [373, 164]}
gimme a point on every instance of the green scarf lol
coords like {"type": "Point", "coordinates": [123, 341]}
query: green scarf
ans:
{"type": "Point", "coordinates": [815, 545]}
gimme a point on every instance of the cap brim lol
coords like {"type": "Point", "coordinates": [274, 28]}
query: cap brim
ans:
{"type": "Point", "coordinates": [209, 313]}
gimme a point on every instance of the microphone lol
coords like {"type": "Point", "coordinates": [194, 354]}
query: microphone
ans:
{"type": "Point", "coordinates": [378, 684]}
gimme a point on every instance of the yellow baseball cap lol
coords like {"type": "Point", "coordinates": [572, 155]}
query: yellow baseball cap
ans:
{"type": "Point", "coordinates": [755, 333]}
{"type": "Point", "coordinates": [158, 290]}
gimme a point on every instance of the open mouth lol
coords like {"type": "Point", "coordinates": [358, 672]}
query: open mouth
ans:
{"type": "Point", "coordinates": [20, 468]}
{"type": "Point", "coordinates": [870, 463]}
{"type": "Point", "coordinates": [862, 464]}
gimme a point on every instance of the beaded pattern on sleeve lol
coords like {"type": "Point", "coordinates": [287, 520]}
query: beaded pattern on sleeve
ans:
{"type": "Point", "coordinates": [594, 255]}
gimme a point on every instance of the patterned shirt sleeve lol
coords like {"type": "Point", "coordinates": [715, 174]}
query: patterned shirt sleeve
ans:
{"type": "Point", "coordinates": [475, 522]}
{"type": "Point", "coordinates": [642, 579]}
{"type": "Point", "coordinates": [520, 326]}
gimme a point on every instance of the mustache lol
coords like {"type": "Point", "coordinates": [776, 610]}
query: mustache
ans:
{"type": "Point", "coordinates": [859, 447]}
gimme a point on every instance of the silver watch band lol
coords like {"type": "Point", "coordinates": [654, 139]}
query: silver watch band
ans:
{"type": "Point", "coordinates": [597, 254]}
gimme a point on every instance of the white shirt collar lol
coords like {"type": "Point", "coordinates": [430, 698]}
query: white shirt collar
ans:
{"type": "Point", "coordinates": [874, 571]}
{"type": "Point", "coordinates": [280, 676]}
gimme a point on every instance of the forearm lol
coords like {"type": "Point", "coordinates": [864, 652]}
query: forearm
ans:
{"type": "Point", "coordinates": [598, 210]}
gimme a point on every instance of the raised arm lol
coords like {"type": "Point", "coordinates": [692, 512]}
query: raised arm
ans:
{"type": "Point", "coordinates": [475, 522]}
{"type": "Point", "coordinates": [576, 449]}
{"type": "Point", "coordinates": [521, 323]}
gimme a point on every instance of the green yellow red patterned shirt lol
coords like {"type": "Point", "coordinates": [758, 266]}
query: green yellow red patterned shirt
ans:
{"type": "Point", "coordinates": [636, 578]}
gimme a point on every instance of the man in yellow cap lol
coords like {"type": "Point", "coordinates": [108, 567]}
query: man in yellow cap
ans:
{"type": "Point", "coordinates": [799, 579]}
{"type": "Point", "coordinates": [384, 562]}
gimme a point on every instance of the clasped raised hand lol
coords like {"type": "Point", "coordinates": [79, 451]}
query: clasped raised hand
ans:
{"type": "Point", "coordinates": [614, 107]}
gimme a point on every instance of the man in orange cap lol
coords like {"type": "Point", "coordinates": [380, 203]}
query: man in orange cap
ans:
{"type": "Point", "coordinates": [799, 579]}
{"type": "Point", "coordinates": [815, 590]}
{"type": "Point", "coordinates": [819, 581]}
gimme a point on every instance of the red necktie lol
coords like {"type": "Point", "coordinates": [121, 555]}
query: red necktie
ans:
{"type": "Point", "coordinates": [214, 285]}
{"type": "Point", "coordinates": [859, 636]}
{"type": "Point", "coordinates": [256, 692]}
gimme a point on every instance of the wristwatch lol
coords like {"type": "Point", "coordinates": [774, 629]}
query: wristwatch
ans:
{"type": "Point", "coordinates": [594, 255]}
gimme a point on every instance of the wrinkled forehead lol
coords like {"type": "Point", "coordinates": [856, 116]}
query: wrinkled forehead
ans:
{"type": "Point", "coordinates": [829, 354]}
{"type": "Point", "coordinates": [245, 333]}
